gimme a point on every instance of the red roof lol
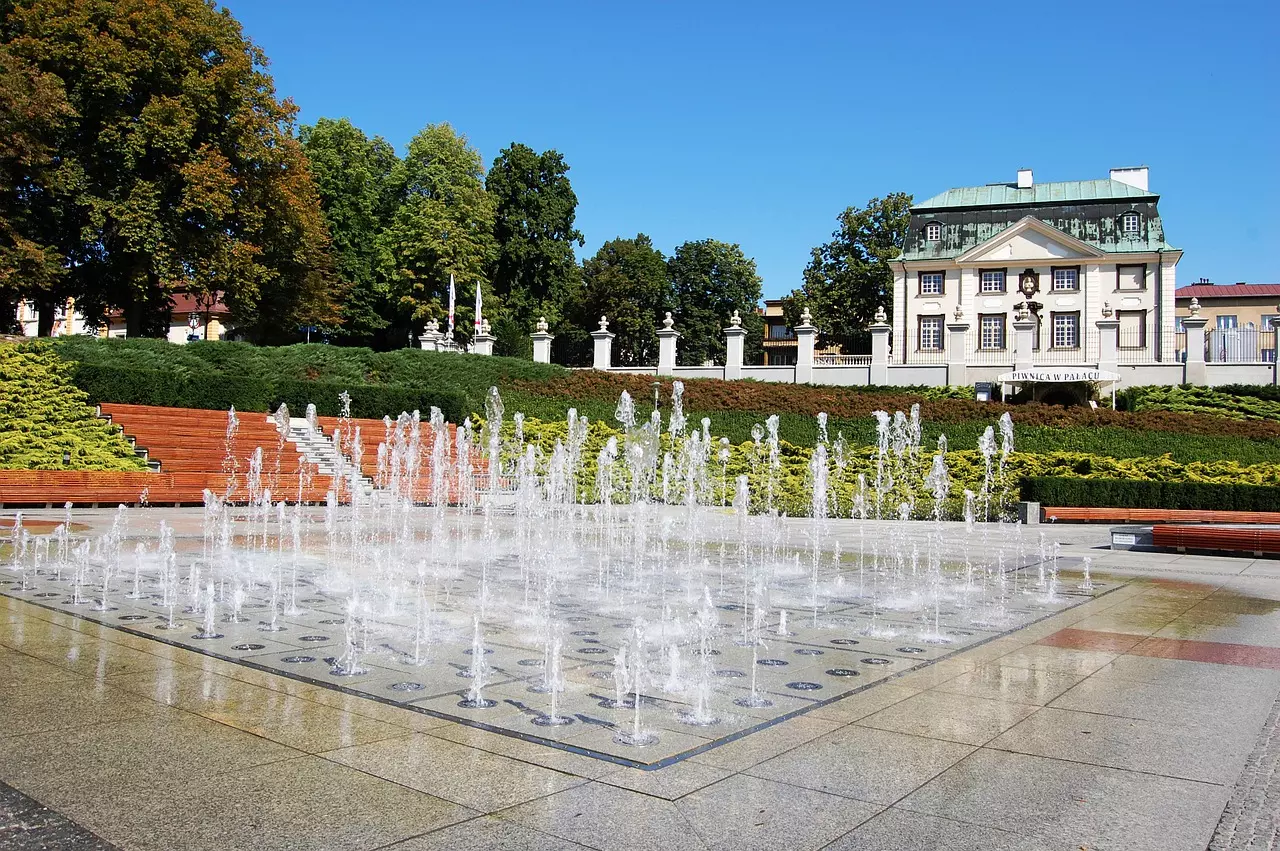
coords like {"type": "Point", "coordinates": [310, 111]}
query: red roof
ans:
{"type": "Point", "coordinates": [1203, 291]}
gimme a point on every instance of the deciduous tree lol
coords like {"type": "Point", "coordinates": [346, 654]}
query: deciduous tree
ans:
{"type": "Point", "coordinates": [176, 165]}
{"type": "Point", "coordinates": [444, 226]}
{"type": "Point", "coordinates": [848, 278]}
{"type": "Point", "coordinates": [711, 280]}
{"type": "Point", "coordinates": [627, 282]}
{"type": "Point", "coordinates": [355, 176]}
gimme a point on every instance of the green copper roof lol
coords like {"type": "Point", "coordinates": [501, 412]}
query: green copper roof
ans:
{"type": "Point", "coordinates": [1008, 194]}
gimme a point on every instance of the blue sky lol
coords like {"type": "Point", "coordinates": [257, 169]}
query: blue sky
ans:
{"type": "Point", "coordinates": [757, 123]}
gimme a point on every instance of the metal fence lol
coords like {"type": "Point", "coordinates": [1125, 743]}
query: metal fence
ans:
{"type": "Point", "coordinates": [1136, 345]}
{"type": "Point", "coordinates": [1240, 345]}
{"type": "Point", "coordinates": [914, 354]}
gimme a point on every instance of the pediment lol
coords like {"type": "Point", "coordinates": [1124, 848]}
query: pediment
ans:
{"type": "Point", "coordinates": [1030, 240]}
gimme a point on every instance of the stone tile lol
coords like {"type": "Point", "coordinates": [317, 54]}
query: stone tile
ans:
{"type": "Point", "coordinates": [94, 658]}
{"type": "Point", "coordinates": [895, 829]}
{"type": "Point", "coordinates": [291, 721]}
{"type": "Point", "coordinates": [1243, 704]}
{"type": "Point", "coordinates": [1016, 685]}
{"type": "Point", "coordinates": [743, 813]}
{"type": "Point", "coordinates": [525, 751]}
{"type": "Point", "coordinates": [953, 717]}
{"type": "Point", "coordinates": [864, 763]}
{"type": "Point", "coordinates": [1044, 658]}
{"type": "Point", "coordinates": [303, 803]}
{"type": "Point", "coordinates": [26, 825]}
{"type": "Point", "coordinates": [862, 704]}
{"type": "Point", "coordinates": [1181, 673]}
{"type": "Point", "coordinates": [1080, 638]}
{"type": "Point", "coordinates": [1073, 805]}
{"type": "Point", "coordinates": [1212, 754]}
{"type": "Point", "coordinates": [603, 816]}
{"type": "Point", "coordinates": [769, 742]}
{"type": "Point", "coordinates": [486, 833]}
{"type": "Point", "coordinates": [64, 705]}
{"type": "Point", "coordinates": [468, 776]}
{"type": "Point", "coordinates": [932, 675]}
{"type": "Point", "coordinates": [18, 670]}
{"type": "Point", "coordinates": [674, 781]}
{"type": "Point", "coordinates": [169, 746]}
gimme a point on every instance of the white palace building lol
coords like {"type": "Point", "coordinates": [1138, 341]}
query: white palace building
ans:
{"type": "Point", "coordinates": [1067, 256]}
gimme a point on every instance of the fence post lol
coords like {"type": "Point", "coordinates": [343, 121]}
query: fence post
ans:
{"type": "Point", "coordinates": [1024, 336]}
{"type": "Point", "coordinates": [880, 331]}
{"type": "Point", "coordinates": [603, 355]}
{"type": "Point", "coordinates": [542, 341]}
{"type": "Point", "coordinates": [1108, 341]}
{"type": "Point", "coordinates": [482, 340]}
{"type": "Point", "coordinates": [806, 336]}
{"type": "Point", "coordinates": [1194, 370]}
{"type": "Point", "coordinates": [957, 363]}
{"type": "Point", "coordinates": [734, 336]}
{"type": "Point", "coordinates": [667, 336]}
{"type": "Point", "coordinates": [430, 339]}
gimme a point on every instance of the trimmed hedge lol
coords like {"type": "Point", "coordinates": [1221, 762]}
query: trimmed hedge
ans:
{"type": "Point", "coordinates": [1129, 493]}
{"type": "Point", "coordinates": [372, 401]}
{"type": "Point", "coordinates": [171, 388]}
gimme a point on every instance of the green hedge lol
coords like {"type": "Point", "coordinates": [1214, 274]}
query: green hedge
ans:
{"type": "Point", "coordinates": [171, 388]}
{"type": "Point", "coordinates": [372, 401]}
{"type": "Point", "coordinates": [1127, 493]}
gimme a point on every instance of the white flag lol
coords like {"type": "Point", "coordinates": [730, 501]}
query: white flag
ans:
{"type": "Point", "coordinates": [453, 298]}
{"type": "Point", "coordinates": [477, 307]}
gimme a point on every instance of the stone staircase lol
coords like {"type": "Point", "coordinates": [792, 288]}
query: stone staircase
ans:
{"type": "Point", "coordinates": [318, 450]}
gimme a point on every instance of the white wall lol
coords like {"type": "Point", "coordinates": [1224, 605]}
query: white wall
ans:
{"type": "Point", "coordinates": [1239, 373]}
{"type": "Point", "coordinates": [842, 376]}
{"type": "Point", "coordinates": [931, 376]}
{"type": "Point", "coordinates": [785, 374]}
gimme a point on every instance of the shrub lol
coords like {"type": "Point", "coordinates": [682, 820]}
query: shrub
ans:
{"type": "Point", "coordinates": [171, 388]}
{"type": "Point", "coordinates": [371, 401]}
{"type": "Point", "coordinates": [1129, 493]}
{"type": "Point", "coordinates": [1203, 400]}
{"type": "Point", "coordinates": [43, 416]}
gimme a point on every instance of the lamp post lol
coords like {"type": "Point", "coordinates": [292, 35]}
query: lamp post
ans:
{"type": "Point", "coordinates": [657, 385]}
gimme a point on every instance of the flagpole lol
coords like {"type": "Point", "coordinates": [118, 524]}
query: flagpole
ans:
{"type": "Point", "coordinates": [453, 297]}
{"type": "Point", "coordinates": [478, 302]}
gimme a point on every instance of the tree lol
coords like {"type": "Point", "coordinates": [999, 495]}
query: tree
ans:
{"type": "Point", "coordinates": [176, 166]}
{"type": "Point", "coordinates": [711, 280]}
{"type": "Point", "coordinates": [534, 269]}
{"type": "Point", "coordinates": [444, 226]}
{"type": "Point", "coordinates": [848, 278]}
{"type": "Point", "coordinates": [626, 281]}
{"type": "Point", "coordinates": [355, 177]}
{"type": "Point", "coordinates": [33, 109]}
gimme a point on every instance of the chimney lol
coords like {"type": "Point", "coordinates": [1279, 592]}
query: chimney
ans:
{"type": "Point", "coordinates": [1135, 176]}
{"type": "Point", "coordinates": [1024, 178]}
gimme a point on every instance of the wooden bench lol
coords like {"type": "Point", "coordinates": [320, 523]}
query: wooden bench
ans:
{"type": "Point", "coordinates": [53, 488]}
{"type": "Point", "coordinates": [1154, 515]}
{"type": "Point", "coordinates": [1257, 540]}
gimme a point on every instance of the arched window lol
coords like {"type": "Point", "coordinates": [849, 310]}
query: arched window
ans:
{"type": "Point", "coordinates": [932, 232]}
{"type": "Point", "coordinates": [1129, 224]}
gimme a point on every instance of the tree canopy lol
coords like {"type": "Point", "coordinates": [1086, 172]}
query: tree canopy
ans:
{"type": "Point", "coordinates": [443, 226]}
{"type": "Point", "coordinates": [848, 278]}
{"type": "Point", "coordinates": [355, 178]}
{"type": "Point", "coordinates": [626, 281]}
{"type": "Point", "coordinates": [152, 155]}
{"type": "Point", "coordinates": [710, 280]}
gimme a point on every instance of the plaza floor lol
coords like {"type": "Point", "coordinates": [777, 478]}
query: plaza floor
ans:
{"type": "Point", "coordinates": [1146, 718]}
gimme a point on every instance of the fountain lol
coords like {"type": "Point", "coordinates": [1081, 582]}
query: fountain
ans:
{"type": "Point", "coordinates": [522, 557]}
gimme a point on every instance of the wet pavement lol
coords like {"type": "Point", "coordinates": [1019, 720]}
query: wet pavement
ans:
{"type": "Point", "coordinates": [1145, 718]}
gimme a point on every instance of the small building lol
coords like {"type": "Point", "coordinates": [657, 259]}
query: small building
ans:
{"type": "Point", "coordinates": [193, 317]}
{"type": "Point", "coordinates": [1072, 253]}
{"type": "Point", "coordinates": [780, 340]}
{"type": "Point", "coordinates": [1242, 319]}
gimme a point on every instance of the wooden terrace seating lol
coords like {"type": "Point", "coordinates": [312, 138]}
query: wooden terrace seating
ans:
{"type": "Point", "coordinates": [1257, 539]}
{"type": "Point", "coordinates": [1155, 515]}
{"type": "Point", "coordinates": [53, 488]}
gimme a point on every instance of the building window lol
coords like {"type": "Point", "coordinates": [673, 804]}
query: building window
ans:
{"type": "Point", "coordinates": [930, 335]}
{"type": "Point", "coordinates": [991, 281]}
{"type": "Point", "coordinates": [931, 283]}
{"type": "Point", "coordinates": [1133, 329]}
{"type": "Point", "coordinates": [932, 232]}
{"type": "Point", "coordinates": [1178, 327]}
{"type": "Point", "coordinates": [1131, 277]}
{"type": "Point", "coordinates": [1065, 280]}
{"type": "Point", "coordinates": [1129, 224]}
{"type": "Point", "coordinates": [1270, 322]}
{"type": "Point", "coordinates": [991, 332]}
{"type": "Point", "coordinates": [1066, 330]}
{"type": "Point", "coordinates": [780, 332]}
{"type": "Point", "coordinates": [1226, 322]}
